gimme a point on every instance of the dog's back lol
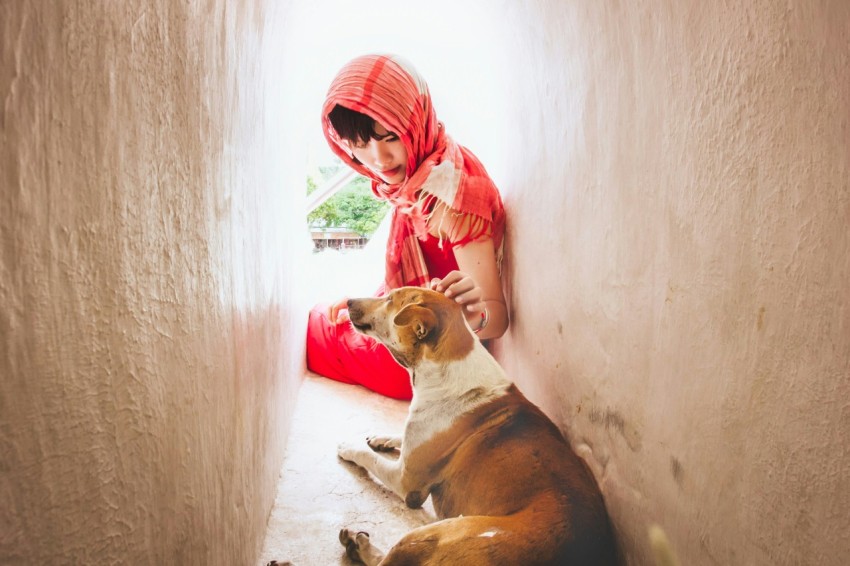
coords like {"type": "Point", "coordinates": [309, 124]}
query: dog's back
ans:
{"type": "Point", "coordinates": [507, 463]}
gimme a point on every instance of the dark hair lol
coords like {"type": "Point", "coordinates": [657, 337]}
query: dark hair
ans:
{"type": "Point", "coordinates": [352, 125]}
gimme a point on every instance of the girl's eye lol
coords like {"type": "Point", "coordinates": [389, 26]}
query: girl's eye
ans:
{"type": "Point", "coordinates": [388, 137]}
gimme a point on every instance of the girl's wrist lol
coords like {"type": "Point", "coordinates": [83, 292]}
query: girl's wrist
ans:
{"type": "Point", "coordinates": [484, 321]}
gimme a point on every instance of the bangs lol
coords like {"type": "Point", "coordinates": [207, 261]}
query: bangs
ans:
{"type": "Point", "coordinates": [352, 125]}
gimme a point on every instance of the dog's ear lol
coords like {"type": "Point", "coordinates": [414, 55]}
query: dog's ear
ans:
{"type": "Point", "coordinates": [420, 319]}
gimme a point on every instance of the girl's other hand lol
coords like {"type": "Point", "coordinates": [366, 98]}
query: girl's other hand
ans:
{"type": "Point", "coordinates": [462, 288]}
{"type": "Point", "coordinates": [338, 311]}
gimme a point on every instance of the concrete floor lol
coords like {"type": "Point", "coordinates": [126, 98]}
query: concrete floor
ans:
{"type": "Point", "coordinates": [318, 494]}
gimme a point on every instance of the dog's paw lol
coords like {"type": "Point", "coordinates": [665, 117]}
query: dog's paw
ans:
{"type": "Point", "coordinates": [354, 542]}
{"type": "Point", "coordinates": [348, 450]}
{"type": "Point", "coordinates": [276, 563]}
{"type": "Point", "coordinates": [384, 443]}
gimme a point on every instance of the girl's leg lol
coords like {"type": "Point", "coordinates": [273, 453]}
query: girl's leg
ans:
{"type": "Point", "coordinates": [339, 352]}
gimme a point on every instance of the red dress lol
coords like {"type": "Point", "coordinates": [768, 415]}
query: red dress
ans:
{"type": "Point", "coordinates": [338, 352]}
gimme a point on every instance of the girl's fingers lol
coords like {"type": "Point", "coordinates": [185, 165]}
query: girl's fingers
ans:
{"type": "Point", "coordinates": [477, 306]}
{"type": "Point", "coordinates": [459, 286]}
{"type": "Point", "coordinates": [469, 297]}
{"type": "Point", "coordinates": [338, 312]}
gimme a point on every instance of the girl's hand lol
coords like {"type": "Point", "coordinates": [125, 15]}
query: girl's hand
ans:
{"type": "Point", "coordinates": [462, 288]}
{"type": "Point", "coordinates": [338, 311]}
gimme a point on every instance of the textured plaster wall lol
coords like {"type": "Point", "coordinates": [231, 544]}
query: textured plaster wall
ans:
{"type": "Point", "coordinates": [678, 186]}
{"type": "Point", "coordinates": [676, 175]}
{"type": "Point", "coordinates": [148, 351]}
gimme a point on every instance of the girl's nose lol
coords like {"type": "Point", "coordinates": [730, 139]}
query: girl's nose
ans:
{"type": "Point", "coordinates": [380, 155]}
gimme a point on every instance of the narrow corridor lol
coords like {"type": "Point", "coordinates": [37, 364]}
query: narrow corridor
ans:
{"type": "Point", "coordinates": [676, 178]}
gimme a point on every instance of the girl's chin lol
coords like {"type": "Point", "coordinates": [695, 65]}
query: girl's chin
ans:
{"type": "Point", "coordinates": [393, 179]}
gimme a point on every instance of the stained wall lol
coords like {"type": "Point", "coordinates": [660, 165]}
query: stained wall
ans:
{"type": "Point", "coordinates": [148, 348]}
{"type": "Point", "coordinates": [677, 181]}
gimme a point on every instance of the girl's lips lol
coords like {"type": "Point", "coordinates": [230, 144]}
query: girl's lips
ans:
{"type": "Point", "coordinates": [391, 172]}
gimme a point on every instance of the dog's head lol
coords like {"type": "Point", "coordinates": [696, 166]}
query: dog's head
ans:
{"type": "Point", "coordinates": [414, 324]}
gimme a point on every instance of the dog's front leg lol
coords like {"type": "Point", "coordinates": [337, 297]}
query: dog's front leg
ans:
{"type": "Point", "coordinates": [384, 443]}
{"type": "Point", "coordinates": [388, 471]}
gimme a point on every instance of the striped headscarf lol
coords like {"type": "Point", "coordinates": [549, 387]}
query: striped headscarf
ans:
{"type": "Point", "coordinates": [389, 90]}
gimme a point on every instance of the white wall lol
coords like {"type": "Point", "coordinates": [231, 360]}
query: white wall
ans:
{"type": "Point", "coordinates": [679, 203]}
{"type": "Point", "coordinates": [148, 350]}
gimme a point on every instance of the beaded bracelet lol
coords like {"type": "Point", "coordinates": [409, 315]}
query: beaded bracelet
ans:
{"type": "Point", "coordinates": [485, 318]}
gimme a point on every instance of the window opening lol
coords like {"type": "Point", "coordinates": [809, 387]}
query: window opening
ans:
{"type": "Point", "coordinates": [342, 212]}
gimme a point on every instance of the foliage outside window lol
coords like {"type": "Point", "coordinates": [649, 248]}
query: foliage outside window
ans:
{"type": "Point", "coordinates": [354, 207]}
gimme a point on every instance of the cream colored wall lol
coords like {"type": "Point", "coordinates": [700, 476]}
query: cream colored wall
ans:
{"type": "Point", "coordinates": [149, 352]}
{"type": "Point", "coordinates": [677, 181]}
{"type": "Point", "coordinates": [679, 197]}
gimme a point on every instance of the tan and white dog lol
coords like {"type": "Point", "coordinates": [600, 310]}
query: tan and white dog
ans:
{"type": "Point", "coordinates": [507, 485]}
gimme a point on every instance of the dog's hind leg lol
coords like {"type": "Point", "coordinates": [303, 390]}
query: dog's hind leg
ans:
{"type": "Point", "coordinates": [476, 541]}
{"type": "Point", "coordinates": [358, 547]}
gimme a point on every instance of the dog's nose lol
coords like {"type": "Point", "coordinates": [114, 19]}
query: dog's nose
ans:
{"type": "Point", "coordinates": [349, 302]}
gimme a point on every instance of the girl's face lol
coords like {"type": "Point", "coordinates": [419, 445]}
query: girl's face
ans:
{"type": "Point", "coordinates": [384, 156]}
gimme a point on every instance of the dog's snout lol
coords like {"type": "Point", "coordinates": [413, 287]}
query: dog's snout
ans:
{"type": "Point", "coordinates": [355, 309]}
{"type": "Point", "coordinates": [358, 316]}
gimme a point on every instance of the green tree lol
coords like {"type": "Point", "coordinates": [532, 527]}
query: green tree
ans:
{"type": "Point", "coordinates": [353, 207]}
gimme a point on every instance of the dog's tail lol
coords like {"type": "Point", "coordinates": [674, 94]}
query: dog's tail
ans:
{"type": "Point", "coordinates": [664, 555]}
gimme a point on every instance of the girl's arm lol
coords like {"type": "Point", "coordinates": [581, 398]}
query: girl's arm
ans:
{"type": "Point", "coordinates": [477, 286]}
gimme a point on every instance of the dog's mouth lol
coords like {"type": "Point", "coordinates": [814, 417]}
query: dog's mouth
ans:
{"type": "Point", "coordinates": [361, 326]}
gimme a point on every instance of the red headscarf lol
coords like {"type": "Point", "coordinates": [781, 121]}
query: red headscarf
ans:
{"type": "Point", "coordinates": [387, 89]}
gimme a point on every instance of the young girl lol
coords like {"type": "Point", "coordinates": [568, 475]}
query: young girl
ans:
{"type": "Point", "coordinates": [447, 217]}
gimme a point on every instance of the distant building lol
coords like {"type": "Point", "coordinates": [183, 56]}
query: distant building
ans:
{"type": "Point", "coordinates": [336, 238]}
